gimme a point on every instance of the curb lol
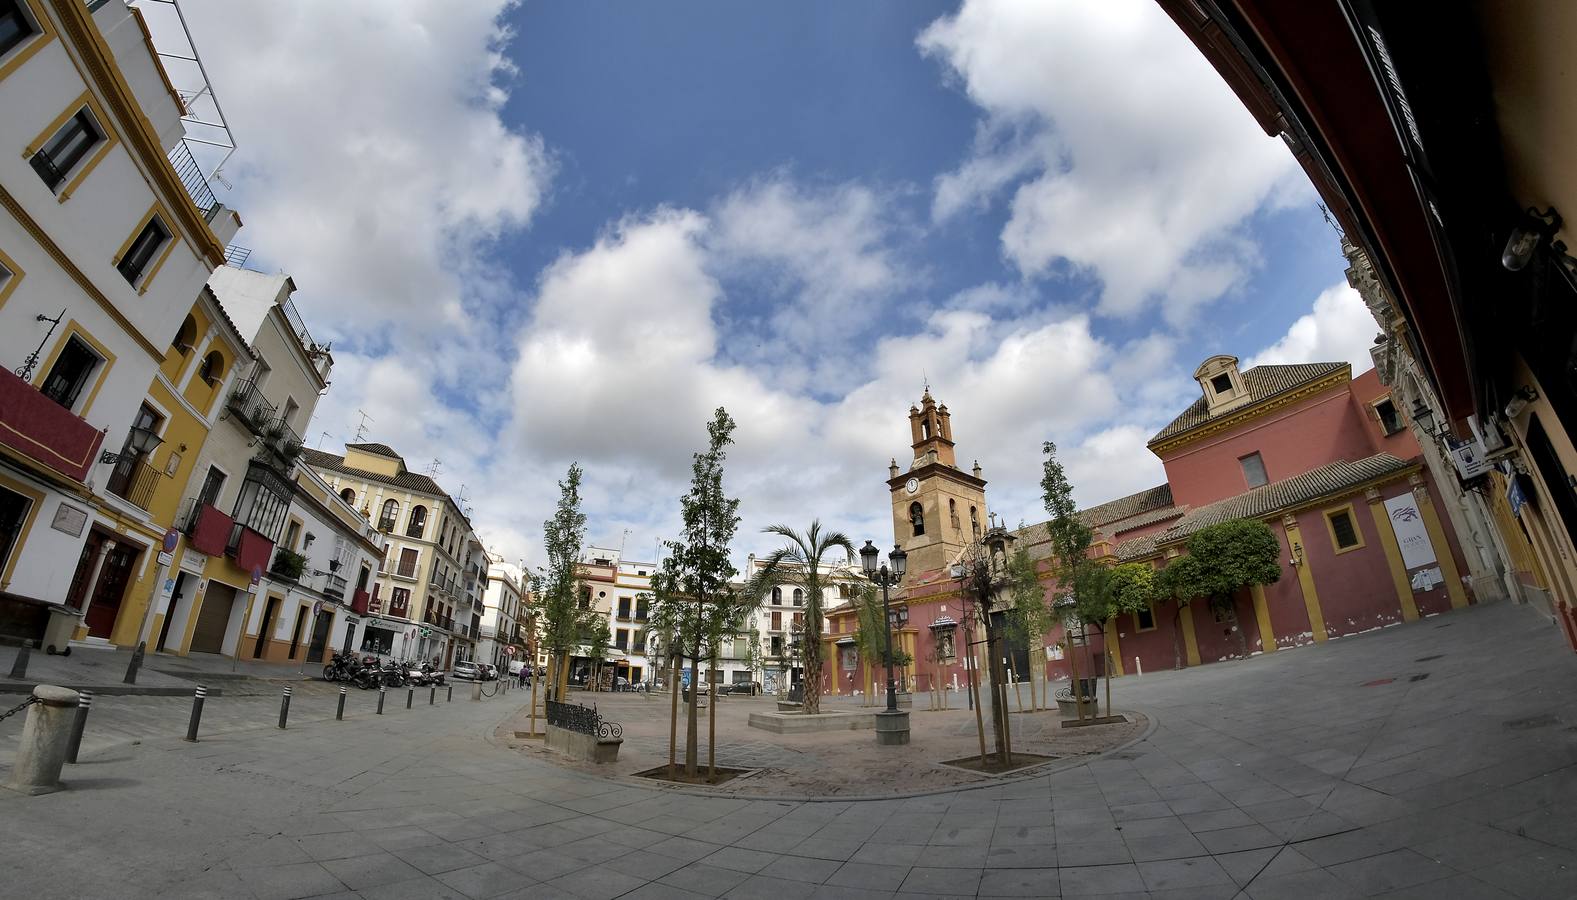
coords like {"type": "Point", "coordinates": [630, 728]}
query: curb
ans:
{"type": "Point", "coordinates": [110, 690]}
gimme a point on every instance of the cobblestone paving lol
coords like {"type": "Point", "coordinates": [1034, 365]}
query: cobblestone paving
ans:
{"type": "Point", "coordinates": [1328, 771]}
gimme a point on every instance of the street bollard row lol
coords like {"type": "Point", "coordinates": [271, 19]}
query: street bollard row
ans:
{"type": "Point", "coordinates": [284, 707]}
{"type": "Point", "coordinates": [197, 713]}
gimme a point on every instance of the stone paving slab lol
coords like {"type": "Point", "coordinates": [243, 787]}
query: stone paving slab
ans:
{"type": "Point", "coordinates": [1246, 788]}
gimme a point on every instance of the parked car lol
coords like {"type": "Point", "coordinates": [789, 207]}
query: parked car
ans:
{"type": "Point", "coordinates": [465, 670]}
{"type": "Point", "coordinates": [488, 672]}
{"type": "Point", "coordinates": [620, 683]}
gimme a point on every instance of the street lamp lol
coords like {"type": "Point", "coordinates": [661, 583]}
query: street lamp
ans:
{"type": "Point", "coordinates": [139, 440]}
{"type": "Point", "coordinates": [879, 574]}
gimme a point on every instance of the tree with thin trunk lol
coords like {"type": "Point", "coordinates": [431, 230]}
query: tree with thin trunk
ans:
{"type": "Point", "coordinates": [803, 562]}
{"type": "Point", "coordinates": [1222, 559]}
{"type": "Point", "coordinates": [562, 621]}
{"type": "Point", "coordinates": [596, 640]}
{"type": "Point", "coordinates": [695, 582]}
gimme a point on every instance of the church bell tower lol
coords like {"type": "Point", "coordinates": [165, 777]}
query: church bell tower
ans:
{"type": "Point", "coordinates": [938, 508]}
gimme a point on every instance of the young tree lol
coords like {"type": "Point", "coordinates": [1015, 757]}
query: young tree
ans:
{"type": "Point", "coordinates": [870, 635]}
{"type": "Point", "coordinates": [1030, 617]}
{"type": "Point", "coordinates": [560, 618]}
{"type": "Point", "coordinates": [697, 572]}
{"type": "Point", "coordinates": [1223, 558]}
{"type": "Point", "coordinates": [596, 639]}
{"type": "Point", "coordinates": [803, 563]}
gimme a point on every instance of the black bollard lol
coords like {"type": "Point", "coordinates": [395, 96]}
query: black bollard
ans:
{"type": "Point", "coordinates": [284, 707]}
{"type": "Point", "coordinates": [340, 713]}
{"type": "Point", "coordinates": [451, 694]}
{"type": "Point", "coordinates": [197, 713]}
{"type": "Point", "coordinates": [84, 702]}
{"type": "Point", "coordinates": [135, 664]}
{"type": "Point", "coordinates": [19, 667]}
{"type": "Point", "coordinates": [432, 696]}
{"type": "Point", "coordinates": [410, 694]}
{"type": "Point", "coordinates": [380, 699]}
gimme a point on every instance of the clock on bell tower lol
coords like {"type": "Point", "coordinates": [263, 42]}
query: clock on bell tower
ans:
{"type": "Point", "coordinates": [938, 508]}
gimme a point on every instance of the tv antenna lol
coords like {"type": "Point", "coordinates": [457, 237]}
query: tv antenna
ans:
{"type": "Point", "coordinates": [434, 467]}
{"type": "Point", "coordinates": [361, 430]}
{"type": "Point", "coordinates": [321, 436]}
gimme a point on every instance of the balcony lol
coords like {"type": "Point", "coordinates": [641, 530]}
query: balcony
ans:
{"type": "Point", "coordinates": [360, 602]}
{"type": "Point", "coordinates": [134, 480]}
{"type": "Point", "coordinates": [250, 549]}
{"type": "Point", "coordinates": [247, 402]}
{"type": "Point", "coordinates": [208, 529]}
{"type": "Point", "coordinates": [334, 588]}
{"type": "Point", "coordinates": [288, 564]}
{"type": "Point", "coordinates": [45, 432]}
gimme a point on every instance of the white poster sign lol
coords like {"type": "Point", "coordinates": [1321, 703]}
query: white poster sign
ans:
{"type": "Point", "coordinates": [1408, 523]}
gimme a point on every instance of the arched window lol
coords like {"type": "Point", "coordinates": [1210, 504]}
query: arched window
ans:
{"type": "Point", "coordinates": [186, 338]}
{"type": "Point", "coordinates": [799, 597]}
{"type": "Point", "coordinates": [418, 522]}
{"type": "Point", "coordinates": [391, 511]}
{"type": "Point", "coordinates": [925, 429]}
{"type": "Point", "coordinates": [348, 495]}
{"type": "Point", "coordinates": [952, 513]}
{"type": "Point", "coordinates": [917, 518]}
{"type": "Point", "coordinates": [777, 596]}
{"type": "Point", "coordinates": [212, 369]}
{"type": "Point", "coordinates": [974, 522]}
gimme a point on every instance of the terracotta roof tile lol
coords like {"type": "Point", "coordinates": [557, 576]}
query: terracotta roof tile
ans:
{"type": "Point", "coordinates": [1262, 382]}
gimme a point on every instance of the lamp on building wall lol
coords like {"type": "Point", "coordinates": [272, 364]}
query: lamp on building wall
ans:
{"type": "Point", "coordinates": [1297, 554]}
{"type": "Point", "coordinates": [1520, 400]}
{"type": "Point", "coordinates": [139, 440]}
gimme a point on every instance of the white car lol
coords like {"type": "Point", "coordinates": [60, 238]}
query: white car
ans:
{"type": "Point", "coordinates": [465, 670]}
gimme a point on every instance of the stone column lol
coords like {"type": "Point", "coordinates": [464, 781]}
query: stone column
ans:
{"type": "Point", "coordinates": [93, 583]}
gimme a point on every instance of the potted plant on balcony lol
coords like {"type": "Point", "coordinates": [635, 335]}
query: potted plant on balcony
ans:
{"type": "Point", "coordinates": [288, 564]}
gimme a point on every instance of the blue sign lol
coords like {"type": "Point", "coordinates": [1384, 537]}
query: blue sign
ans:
{"type": "Point", "coordinates": [684, 677]}
{"type": "Point", "coordinates": [1515, 494]}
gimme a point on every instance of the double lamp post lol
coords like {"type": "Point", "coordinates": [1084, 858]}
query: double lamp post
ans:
{"type": "Point", "coordinates": [892, 723]}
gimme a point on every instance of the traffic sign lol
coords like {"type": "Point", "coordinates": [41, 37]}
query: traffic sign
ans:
{"type": "Point", "coordinates": [257, 574]}
{"type": "Point", "coordinates": [171, 538]}
{"type": "Point", "coordinates": [509, 651]}
{"type": "Point", "coordinates": [317, 607]}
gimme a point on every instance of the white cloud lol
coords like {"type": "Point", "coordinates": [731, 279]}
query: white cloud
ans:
{"type": "Point", "coordinates": [1338, 328]}
{"type": "Point", "coordinates": [1133, 160]}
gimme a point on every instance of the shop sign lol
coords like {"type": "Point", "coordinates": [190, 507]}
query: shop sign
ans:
{"type": "Point", "coordinates": [1469, 457]}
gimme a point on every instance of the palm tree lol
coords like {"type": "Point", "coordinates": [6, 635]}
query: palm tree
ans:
{"type": "Point", "coordinates": [800, 563]}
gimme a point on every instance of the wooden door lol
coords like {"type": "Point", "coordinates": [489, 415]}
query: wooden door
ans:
{"type": "Point", "coordinates": [266, 629]}
{"type": "Point", "coordinates": [213, 618]}
{"type": "Point", "coordinates": [320, 637]}
{"type": "Point", "coordinates": [107, 595]}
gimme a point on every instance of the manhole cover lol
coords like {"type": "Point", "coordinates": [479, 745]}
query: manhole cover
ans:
{"type": "Point", "coordinates": [1428, 658]}
{"type": "Point", "coordinates": [1538, 721]}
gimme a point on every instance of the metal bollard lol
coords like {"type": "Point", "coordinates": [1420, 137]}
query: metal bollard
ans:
{"type": "Point", "coordinates": [451, 694]}
{"type": "Point", "coordinates": [284, 707]}
{"type": "Point", "coordinates": [432, 695]}
{"type": "Point", "coordinates": [19, 665]}
{"type": "Point", "coordinates": [84, 703]}
{"type": "Point", "coordinates": [340, 713]}
{"type": "Point", "coordinates": [135, 664]}
{"type": "Point", "coordinates": [41, 754]}
{"type": "Point", "coordinates": [197, 713]}
{"type": "Point", "coordinates": [410, 694]}
{"type": "Point", "coordinates": [380, 699]}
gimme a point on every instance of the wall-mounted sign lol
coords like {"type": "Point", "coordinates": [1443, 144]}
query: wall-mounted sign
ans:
{"type": "Point", "coordinates": [1426, 579]}
{"type": "Point", "coordinates": [1469, 457]}
{"type": "Point", "coordinates": [70, 520]}
{"type": "Point", "coordinates": [1411, 534]}
{"type": "Point", "coordinates": [1519, 490]}
{"type": "Point", "coordinates": [165, 558]}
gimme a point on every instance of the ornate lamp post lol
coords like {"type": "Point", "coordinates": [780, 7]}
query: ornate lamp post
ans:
{"type": "Point", "coordinates": [892, 724]}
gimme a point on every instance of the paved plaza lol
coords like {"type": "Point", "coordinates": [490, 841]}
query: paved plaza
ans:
{"type": "Point", "coordinates": [1429, 760]}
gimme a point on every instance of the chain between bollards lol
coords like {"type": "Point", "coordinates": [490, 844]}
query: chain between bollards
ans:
{"type": "Point", "coordinates": [197, 713]}
{"type": "Point", "coordinates": [284, 707]}
{"type": "Point", "coordinates": [84, 702]}
{"type": "Point", "coordinates": [340, 713]}
{"type": "Point", "coordinates": [381, 693]}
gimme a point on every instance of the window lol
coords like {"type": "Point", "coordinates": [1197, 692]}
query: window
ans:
{"type": "Point", "coordinates": [621, 639]}
{"type": "Point", "coordinates": [391, 511]}
{"type": "Point", "coordinates": [264, 501]}
{"type": "Point", "coordinates": [66, 148]}
{"type": "Point", "coordinates": [186, 338]}
{"type": "Point", "coordinates": [777, 621]}
{"type": "Point", "coordinates": [212, 369]}
{"type": "Point", "coordinates": [799, 597]}
{"type": "Point", "coordinates": [348, 495]}
{"type": "Point", "coordinates": [1344, 531]}
{"type": "Point", "coordinates": [843, 592]}
{"type": "Point", "coordinates": [213, 483]}
{"type": "Point", "coordinates": [974, 522]}
{"type": "Point", "coordinates": [640, 642]}
{"type": "Point", "coordinates": [399, 602]}
{"type": "Point", "coordinates": [289, 415]}
{"type": "Point", "coordinates": [1390, 420]}
{"type": "Point", "coordinates": [15, 25]}
{"type": "Point", "coordinates": [624, 607]}
{"type": "Point", "coordinates": [776, 645]}
{"type": "Point", "coordinates": [292, 534]}
{"type": "Point", "coordinates": [143, 249]}
{"type": "Point", "coordinates": [1221, 384]}
{"type": "Point", "coordinates": [952, 513]}
{"type": "Point", "coordinates": [925, 429]}
{"type": "Point", "coordinates": [1254, 470]}
{"type": "Point", "coordinates": [408, 559]}
{"type": "Point", "coordinates": [377, 640]}
{"type": "Point", "coordinates": [640, 609]}
{"type": "Point", "coordinates": [917, 518]}
{"type": "Point", "coordinates": [1144, 620]}
{"type": "Point", "coordinates": [418, 522]}
{"type": "Point", "coordinates": [585, 598]}
{"type": "Point", "coordinates": [777, 596]}
{"type": "Point", "coordinates": [13, 513]}
{"type": "Point", "coordinates": [70, 372]}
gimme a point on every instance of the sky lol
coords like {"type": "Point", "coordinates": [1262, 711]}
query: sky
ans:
{"type": "Point", "coordinates": [540, 233]}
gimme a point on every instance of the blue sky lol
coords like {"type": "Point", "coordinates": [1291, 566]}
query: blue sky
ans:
{"type": "Point", "coordinates": [544, 232]}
